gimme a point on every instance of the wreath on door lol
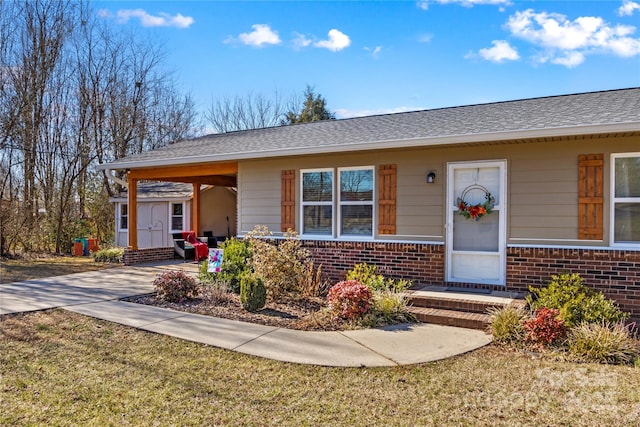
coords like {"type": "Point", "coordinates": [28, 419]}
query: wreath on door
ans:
{"type": "Point", "coordinates": [479, 210]}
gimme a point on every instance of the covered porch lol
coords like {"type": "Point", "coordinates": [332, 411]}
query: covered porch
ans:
{"type": "Point", "coordinates": [216, 174]}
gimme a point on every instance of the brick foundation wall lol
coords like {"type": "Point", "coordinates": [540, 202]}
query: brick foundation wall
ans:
{"type": "Point", "coordinates": [140, 256]}
{"type": "Point", "coordinates": [614, 272]}
{"type": "Point", "coordinates": [421, 263]}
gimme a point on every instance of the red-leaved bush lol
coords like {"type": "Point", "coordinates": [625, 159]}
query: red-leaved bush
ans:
{"type": "Point", "coordinates": [545, 327]}
{"type": "Point", "coordinates": [175, 286]}
{"type": "Point", "coordinates": [349, 299]}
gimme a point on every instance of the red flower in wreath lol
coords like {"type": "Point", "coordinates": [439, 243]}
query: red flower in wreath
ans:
{"type": "Point", "coordinates": [476, 212]}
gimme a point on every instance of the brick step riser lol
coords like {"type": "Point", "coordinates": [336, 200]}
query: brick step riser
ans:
{"type": "Point", "coordinates": [451, 321]}
{"type": "Point", "coordinates": [457, 305]}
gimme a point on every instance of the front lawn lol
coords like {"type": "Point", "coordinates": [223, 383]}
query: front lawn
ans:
{"type": "Point", "coordinates": [60, 368]}
{"type": "Point", "coordinates": [34, 267]}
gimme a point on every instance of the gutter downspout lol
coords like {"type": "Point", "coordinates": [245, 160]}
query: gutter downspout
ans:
{"type": "Point", "coordinates": [111, 177]}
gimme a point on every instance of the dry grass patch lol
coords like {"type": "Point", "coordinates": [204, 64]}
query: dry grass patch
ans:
{"type": "Point", "coordinates": [32, 267]}
{"type": "Point", "coordinates": [59, 368]}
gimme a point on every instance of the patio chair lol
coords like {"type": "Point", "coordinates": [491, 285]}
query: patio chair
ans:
{"type": "Point", "coordinates": [211, 240]}
{"type": "Point", "coordinates": [182, 248]}
{"type": "Point", "coordinates": [201, 250]}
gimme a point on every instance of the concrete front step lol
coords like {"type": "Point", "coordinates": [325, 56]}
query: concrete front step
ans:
{"type": "Point", "coordinates": [460, 319]}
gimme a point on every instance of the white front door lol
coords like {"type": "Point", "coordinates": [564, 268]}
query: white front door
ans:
{"type": "Point", "coordinates": [476, 241]}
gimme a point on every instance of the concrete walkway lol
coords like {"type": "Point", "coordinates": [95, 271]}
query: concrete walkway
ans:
{"type": "Point", "coordinates": [97, 294]}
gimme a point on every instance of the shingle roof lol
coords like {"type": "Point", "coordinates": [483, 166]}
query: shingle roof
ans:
{"type": "Point", "coordinates": [160, 190]}
{"type": "Point", "coordinates": [594, 112]}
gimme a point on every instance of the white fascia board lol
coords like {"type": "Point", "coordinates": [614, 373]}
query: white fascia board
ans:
{"type": "Point", "coordinates": [387, 144]}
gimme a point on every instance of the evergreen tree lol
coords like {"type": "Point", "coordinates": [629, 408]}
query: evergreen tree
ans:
{"type": "Point", "coordinates": [314, 108]}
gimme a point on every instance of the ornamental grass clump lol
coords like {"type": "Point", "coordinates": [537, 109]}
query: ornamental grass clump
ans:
{"type": "Point", "coordinates": [506, 324]}
{"type": "Point", "coordinates": [604, 343]}
{"type": "Point", "coordinates": [175, 286]}
{"type": "Point", "coordinates": [110, 255]}
{"type": "Point", "coordinates": [349, 300]}
{"type": "Point", "coordinates": [387, 308]}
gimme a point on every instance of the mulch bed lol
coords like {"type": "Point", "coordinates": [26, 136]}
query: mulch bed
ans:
{"type": "Point", "coordinates": [306, 314]}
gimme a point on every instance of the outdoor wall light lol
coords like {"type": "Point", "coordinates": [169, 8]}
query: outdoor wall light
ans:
{"type": "Point", "coordinates": [431, 177]}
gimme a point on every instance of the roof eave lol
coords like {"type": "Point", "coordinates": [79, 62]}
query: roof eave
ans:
{"type": "Point", "coordinates": [388, 144]}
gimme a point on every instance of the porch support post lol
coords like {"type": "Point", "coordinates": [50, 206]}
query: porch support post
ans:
{"type": "Point", "coordinates": [132, 226]}
{"type": "Point", "coordinates": [195, 211]}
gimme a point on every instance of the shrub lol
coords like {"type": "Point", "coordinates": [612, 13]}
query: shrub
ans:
{"type": "Point", "coordinates": [575, 301]}
{"type": "Point", "coordinates": [506, 324]}
{"type": "Point", "coordinates": [604, 343]}
{"type": "Point", "coordinates": [546, 327]}
{"type": "Point", "coordinates": [235, 262]}
{"type": "Point", "coordinates": [253, 294]}
{"type": "Point", "coordinates": [284, 266]}
{"type": "Point", "coordinates": [216, 293]}
{"type": "Point", "coordinates": [111, 255]}
{"type": "Point", "coordinates": [349, 299]}
{"type": "Point", "coordinates": [388, 307]}
{"type": "Point", "coordinates": [175, 286]}
{"type": "Point", "coordinates": [367, 275]}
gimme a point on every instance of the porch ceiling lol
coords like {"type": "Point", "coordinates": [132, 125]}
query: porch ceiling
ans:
{"type": "Point", "coordinates": [221, 174]}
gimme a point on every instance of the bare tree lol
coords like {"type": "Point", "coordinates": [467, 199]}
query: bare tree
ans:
{"type": "Point", "coordinates": [245, 112]}
{"type": "Point", "coordinates": [73, 94]}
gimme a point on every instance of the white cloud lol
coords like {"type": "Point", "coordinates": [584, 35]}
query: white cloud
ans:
{"type": "Point", "coordinates": [628, 8]}
{"type": "Point", "coordinates": [147, 20]}
{"type": "Point", "coordinates": [500, 52]}
{"type": "Point", "coordinates": [424, 4]}
{"type": "Point", "coordinates": [337, 41]}
{"type": "Point", "coordinates": [375, 52]}
{"type": "Point", "coordinates": [261, 35]}
{"type": "Point", "coordinates": [567, 42]}
{"type": "Point", "coordinates": [300, 41]}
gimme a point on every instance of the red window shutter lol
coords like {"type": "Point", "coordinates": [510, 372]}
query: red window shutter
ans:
{"type": "Point", "coordinates": [387, 199]}
{"type": "Point", "coordinates": [288, 219]}
{"type": "Point", "coordinates": [590, 196]}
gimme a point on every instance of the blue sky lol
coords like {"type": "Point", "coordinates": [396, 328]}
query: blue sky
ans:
{"type": "Point", "coordinates": [370, 57]}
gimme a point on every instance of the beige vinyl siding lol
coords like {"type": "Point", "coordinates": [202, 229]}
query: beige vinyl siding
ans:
{"type": "Point", "coordinates": [216, 205]}
{"type": "Point", "coordinates": [542, 187]}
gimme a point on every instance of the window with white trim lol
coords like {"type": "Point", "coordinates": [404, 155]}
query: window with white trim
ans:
{"type": "Point", "coordinates": [317, 202]}
{"type": "Point", "coordinates": [625, 211]}
{"type": "Point", "coordinates": [124, 217]}
{"type": "Point", "coordinates": [356, 201]}
{"type": "Point", "coordinates": [342, 206]}
{"type": "Point", "coordinates": [177, 216]}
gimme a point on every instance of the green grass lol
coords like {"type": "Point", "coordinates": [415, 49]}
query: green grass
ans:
{"type": "Point", "coordinates": [59, 368]}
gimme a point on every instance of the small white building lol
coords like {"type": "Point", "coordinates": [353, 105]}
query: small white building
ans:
{"type": "Point", "coordinates": [165, 208]}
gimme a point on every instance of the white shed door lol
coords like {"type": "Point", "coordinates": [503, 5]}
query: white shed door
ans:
{"type": "Point", "coordinates": [476, 246]}
{"type": "Point", "coordinates": [152, 225]}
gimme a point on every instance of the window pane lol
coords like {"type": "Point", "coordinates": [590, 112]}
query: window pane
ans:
{"type": "Point", "coordinates": [356, 185]}
{"type": "Point", "coordinates": [482, 235]}
{"type": "Point", "coordinates": [317, 220]}
{"type": "Point", "coordinates": [177, 209]}
{"type": "Point", "coordinates": [123, 222]}
{"type": "Point", "coordinates": [357, 220]}
{"type": "Point", "coordinates": [176, 223]}
{"type": "Point", "coordinates": [317, 186]}
{"type": "Point", "coordinates": [627, 177]}
{"type": "Point", "coordinates": [627, 222]}
{"type": "Point", "coordinates": [123, 210]}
